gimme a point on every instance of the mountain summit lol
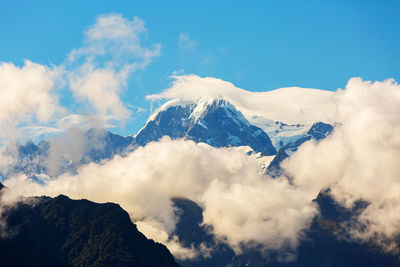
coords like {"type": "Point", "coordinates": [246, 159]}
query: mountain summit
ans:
{"type": "Point", "coordinates": [213, 121]}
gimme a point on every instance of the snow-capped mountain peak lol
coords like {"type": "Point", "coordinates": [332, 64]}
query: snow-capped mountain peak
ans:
{"type": "Point", "coordinates": [214, 121]}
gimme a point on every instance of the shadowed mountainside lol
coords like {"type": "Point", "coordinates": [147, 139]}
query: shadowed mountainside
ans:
{"type": "Point", "coordinates": [45, 231]}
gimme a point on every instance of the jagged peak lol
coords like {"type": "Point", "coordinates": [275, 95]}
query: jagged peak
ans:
{"type": "Point", "coordinates": [197, 107]}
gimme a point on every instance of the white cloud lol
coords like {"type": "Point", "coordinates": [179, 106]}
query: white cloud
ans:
{"type": "Point", "coordinates": [360, 160]}
{"type": "Point", "coordinates": [265, 212]}
{"type": "Point", "coordinates": [137, 108]}
{"type": "Point", "coordinates": [118, 38]}
{"type": "Point", "coordinates": [290, 105]}
{"type": "Point", "coordinates": [102, 89]}
{"type": "Point", "coordinates": [185, 42]}
{"type": "Point", "coordinates": [243, 206]}
{"type": "Point", "coordinates": [27, 93]}
{"type": "Point", "coordinates": [27, 96]}
{"type": "Point", "coordinates": [110, 27]}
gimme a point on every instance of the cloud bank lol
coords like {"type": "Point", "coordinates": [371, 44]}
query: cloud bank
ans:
{"type": "Point", "coordinates": [360, 160]}
{"type": "Point", "coordinates": [243, 206]}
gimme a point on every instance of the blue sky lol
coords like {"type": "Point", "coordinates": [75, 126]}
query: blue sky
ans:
{"type": "Point", "coordinates": [257, 45]}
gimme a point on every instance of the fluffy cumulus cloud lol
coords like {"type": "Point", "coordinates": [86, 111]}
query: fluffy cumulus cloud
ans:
{"type": "Point", "coordinates": [102, 89]}
{"type": "Point", "coordinates": [290, 105]}
{"type": "Point", "coordinates": [26, 95]}
{"type": "Point", "coordinates": [242, 205]}
{"type": "Point", "coordinates": [267, 212]}
{"type": "Point", "coordinates": [360, 161]}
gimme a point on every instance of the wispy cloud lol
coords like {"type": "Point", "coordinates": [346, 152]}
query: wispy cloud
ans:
{"type": "Point", "coordinates": [137, 108]}
{"type": "Point", "coordinates": [111, 52]}
{"type": "Point", "coordinates": [117, 39]}
{"type": "Point", "coordinates": [185, 42]}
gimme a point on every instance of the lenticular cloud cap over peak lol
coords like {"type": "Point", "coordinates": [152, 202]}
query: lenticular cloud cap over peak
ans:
{"type": "Point", "coordinates": [290, 104]}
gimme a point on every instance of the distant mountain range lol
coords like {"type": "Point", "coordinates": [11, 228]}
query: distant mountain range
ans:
{"type": "Point", "coordinates": [213, 121]}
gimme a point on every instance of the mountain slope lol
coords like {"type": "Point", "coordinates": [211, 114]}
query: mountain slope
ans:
{"type": "Point", "coordinates": [318, 131]}
{"type": "Point", "coordinates": [65, 232]}
{"type": "Point", "coordinates": [193, 234]}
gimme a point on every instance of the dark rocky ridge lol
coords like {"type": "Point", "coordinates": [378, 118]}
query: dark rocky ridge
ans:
{"type": "Point", "coordinates": [274, 168]}
{"type": "Point", "coordinates": [64, 232]}
{"type": "Point", "coordinates": [192, 234]}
